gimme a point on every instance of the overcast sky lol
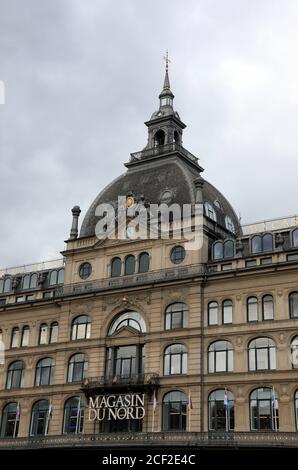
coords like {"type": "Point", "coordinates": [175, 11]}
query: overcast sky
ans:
{"type": "Point", "coordinates": [82, 76]}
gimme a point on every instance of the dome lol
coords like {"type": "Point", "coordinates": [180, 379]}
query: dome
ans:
{"type": "Point", "coordinates": [170, 180]}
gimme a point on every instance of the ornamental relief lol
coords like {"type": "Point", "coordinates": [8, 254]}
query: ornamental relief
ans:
{"type": "Point", "coordinates": [127, 301]}
{"type": "Point", "coordinates": [81, 308]}
{"type": "Point", "coordinates": [169, 297]}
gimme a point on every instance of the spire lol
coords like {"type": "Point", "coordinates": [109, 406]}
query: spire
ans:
{"type": "Point", "coordinates": [166, 96]}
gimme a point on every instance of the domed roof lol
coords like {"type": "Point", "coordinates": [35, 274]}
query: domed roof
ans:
{"type": "Point", "coordinates": [170, 180]}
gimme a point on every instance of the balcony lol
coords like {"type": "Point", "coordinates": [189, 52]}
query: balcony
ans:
{"type": "Point", "coordinates": [152, 277]}
{"type": "Point", "coordinates": [160, 150]}
{"type": "Point", "coordinates": [157, 440]}
{"type": "Point", "coordinates": [137, 382]}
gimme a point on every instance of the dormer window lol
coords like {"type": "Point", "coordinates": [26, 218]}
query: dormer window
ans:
{"type": "Point", "coordinates": [230, 224]}
{"type": "Point", "coordinates": [209, 211]}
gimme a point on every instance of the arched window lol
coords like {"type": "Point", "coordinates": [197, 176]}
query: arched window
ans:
{"type": "Point", "coordinates": [294, 353]}
{"type": "Point", "coordinates": [81, 328]}
{"type": "Point", "coordinates": [176, 316]}
{"type": "Point", "coordinates": [262, 354]}
{"type": "Point", "coordinates": [176, 137]}
{"type": "Point", "coordinates": [15, 375]}
{"type": "Point", "coordinates": [60, 279]}
{"type": "Point", "coordinates": [229, 224]}
{"type": "Point", "coordinates": [218, 250]}
{"type": "Point", "coordinates": [296, 408]}
{"type": "Point", "coordinates": [40, 418]}
{"type": "Point", "coordinates": [54, 330]}
{"type": "Point", "coordinates": [10, 420]}
{"type": "Point", "coordinates": [175, 359]}
{"type": "Point", "coordinates": [227, 311]}
{"type": "Point", "coordinates": [143, 263]}
{"type": "Point", "coordinates": [44, 372]}
{"type": "Point", "coordinates": [1, 285]}
{"type": "Point", "coordinates": [33, 281]}
{"type": "Point", "coordinates": [267, 307]}
{"type": "Point", "coordinates": [228, 249]}
{"type": "Point", "coordinates": [26, 281]}
{"type": "Point", "coordinates": [220, 357]}
{"type": "Point", "coordinates": [221, 410]}
{"type": "Point", "coordinates": [25, 336]}
{"type": "Point", "coordinates": [159, 138]}
{"type": "Point", "coordinates": [174, 411]}
{"type": "Point", "coordinates": [7, 285]}
{"type": "Point", "coordinates": [267, 240]}
{"type": "Point", "coordinates": [130, 264]}
{"type": "Point", "coordinates": [130, 318]}
{"type": "Point", "coordinates": [263, 410]}
{"type": "Point", "coordinates": [77, 368]}
{"type": "Point", "coordinates": [43, 333]}
{"type": "Point", "coordinates": [53, 278]}
{"type": "Point", "coordinates": [73, 421]}
{"type": "Point", "coordinates": [295, 237]}
{"type": "Point", "coordinates": [210, 211]}
{"type": "Point", "coordinates": [252, 309]}
{"type": "Point", "coordinates": [260, 243]}
{"type": "Point", "coordinates": [116, 267]}
{"type": "Point", "coordinates": [256, 244]}
{"type": "Point", "coordinates": [293, 304]}
{"type": "Point", "coordinates": [212, 313]}
{"type": "Point", "coordinates": [15, 337]}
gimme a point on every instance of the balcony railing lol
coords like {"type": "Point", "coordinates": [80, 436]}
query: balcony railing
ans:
{"type": "Point", "coordinates": [181, 272]}
{"type": "Point", "coordinates": [161, 150]}
{"type": "Point", "coordinates": [157, 439]}
{"type": "Point", "coordinates": [149, 380]}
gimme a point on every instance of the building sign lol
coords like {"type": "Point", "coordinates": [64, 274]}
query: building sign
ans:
{"type": "Point", "coordinates": [109, 407]}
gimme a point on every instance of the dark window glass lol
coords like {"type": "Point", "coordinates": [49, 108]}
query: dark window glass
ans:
{"type": "Point", "coordinates": [143, 263]}
{"type": "Point", "coordinates": [159, 138]}
{"type": "Point", "coordinates": [267, 307]}
{"type": "Point", "coordinates": [73, 422]}
{"type": "Point", "coordinates": [44, 372]}
{"type": "Point", "coordinates": [220, 357]}
{"type": "Point", "coordinates": [53, 278]}
{"type": "Point", "coordinates": [256, 244]}
{"type": "Point", "coordinates": [33, 281]}
{"type": "Point", "coordinates": [40, 418]}
{"type": "Point", "coordinates": [124, 363]}
{"type": "Point", "coordinates": [116, 267]}
{"type": "Point", "coordinates": [77, 368]}
{"type": "Point", "coordinates": [1, 286]}
{"type": "Point", "coordinates": [15, 338]}
{"type": "Point", "coordinates": [267, 242]}
{"type": "Point", "coordinates": [81, 328]}
{"type": "Point", "coordinates": [221, 411]}
{"type": "Point", "coordinates": [177, 254]}
{"type": "Point", "coordinates": [218, 250]}
{"type": "Point", "coordinates": [252, 309]}
{"type": "Point", "coordinates": [227, 311]}
{"type": "Point", "coordinates": [7, 285]}
{"type": "Point", "coordinates": [228, 249]}
{"type": "Point", "coordinates": [175, 359]}
{"type": "Point", "coordinates": [212, 313]}
{"type": "Point", "coordinates": [130, 263]}
{"type": "Point", "coordinates": [174, 411]}
{"type": "Point", "coordinates": [25, 336]}
{"type": "Point", "coordinates": [295, 237]}
{"type": "Point", "coordinates": [10, 420]}
{"type": "Point", "coordinates": [296, 408]}
{"type": "Point", "coordinates": [264, 410]}
{"type": "Point", "coordinates": [15, 374]}
{"type": "Point", "coordinates": [262, 354]}
{"type": "Point", "coordinates": [293, 304]}
{"type": "Point", "coordinates": [85, 270]}
{"type": "Point", "coordinates": [26, 281]}
{"type": "Point", "coordinates": [54, 330]}
{"type": "Point", "coordinates": [176, 316]}
{"type": "Point", "coordinates": [60, 276]}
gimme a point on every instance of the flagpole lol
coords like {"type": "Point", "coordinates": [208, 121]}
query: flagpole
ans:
{"type": "Point", "coordinates": [226, 409]}
{"type": "Point", "coordinates": [153, 411]}
{"type": "Point", "coordinates": [48, 418]}
{"type": "Point", "coordinates": [16, 420]}
{"type": "Point", "coordinates": [274, 410]}
{"type": "Point", "coordinates": [189, 412]}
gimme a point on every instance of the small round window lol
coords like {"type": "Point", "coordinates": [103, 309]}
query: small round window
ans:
{"type": "Point", "coordinates": [177, 254]}
{"type": "Point", "coordinates": [85, 270]}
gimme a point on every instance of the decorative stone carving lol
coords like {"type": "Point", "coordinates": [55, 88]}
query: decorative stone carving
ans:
{"type": "Point", "coordinates": [239, 247]}
{"type": "Point", "coordinates": [41, 278]}
{"type": "Point", "coordinates": [16, 281]}
{"type": "Point", "coordinates": [279, 240]}
{"type": "Point", "coordinates": [126, 299]}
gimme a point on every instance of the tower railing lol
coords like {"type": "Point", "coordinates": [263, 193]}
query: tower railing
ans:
{"type": "Point", "coordinates": [161, 150]}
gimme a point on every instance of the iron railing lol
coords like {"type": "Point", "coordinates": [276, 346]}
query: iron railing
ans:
{"type": "Point", "coordinates": [163, 149]}
{"type": "Point", "coordinates": [114, 380]}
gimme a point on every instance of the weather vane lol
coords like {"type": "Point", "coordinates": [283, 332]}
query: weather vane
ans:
{"type": "Point", "coordinates": [167, 60]}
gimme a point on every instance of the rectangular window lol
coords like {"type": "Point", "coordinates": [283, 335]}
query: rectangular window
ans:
{"type": "Point", "coordinates": [266, 261]}
{"type": "Point", "coordinates": [292, 257]}
{"type": "Point", "coordinates": [47, 295]}
{"type": "Point", "coordinates": [29, 297]}
{"type": "Point", "coordinates": [19, 298]}
{"type": "Point", "coordinates": [226, 267]}
{"type": "Point", "coordinates": [250, 263]}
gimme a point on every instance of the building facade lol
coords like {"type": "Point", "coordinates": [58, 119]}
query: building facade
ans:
{"type": "Point", "coordinates": [134, 340]}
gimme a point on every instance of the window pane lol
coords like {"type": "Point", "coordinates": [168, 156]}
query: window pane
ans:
{"type": "Point", "coordinates": [144, 263]}
{"type": "Point", "coordinates": [267, 242]}
{"type": "Point", "coordinates": [116, 267]}
{"type": "Point", "coordinates": [227, 312]}
{"type": "Point", "coordinates": [268, 308]}
{"type": "Point", "coordinates": [256, 244]}
{"type": "Point", "coordinates": [218, 250]}
{"type": "Point", "coordinates": [130, 265]}
{"type": "Point", "coordinates": [252, 306]}
{"type": "Point", "coordinates": [295, 237]}
{"type": "Point", "coordinates": [294, 304]}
